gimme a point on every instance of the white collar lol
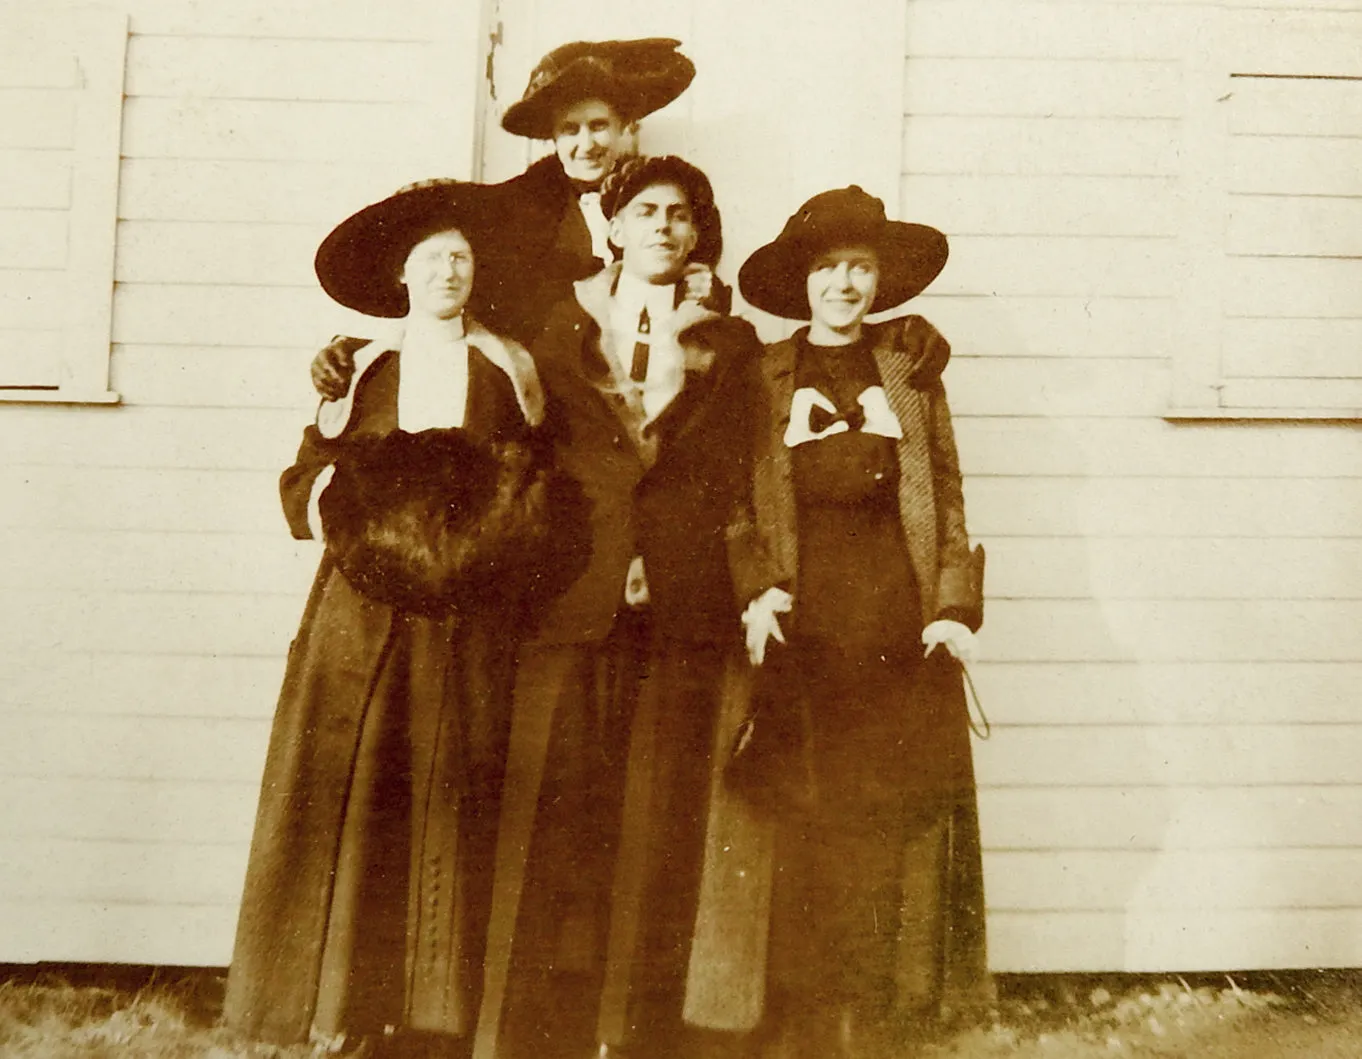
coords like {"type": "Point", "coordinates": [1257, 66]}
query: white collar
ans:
{"type": "Point", "coordinates": [333, 416]}
{"type": "Point", "coordinates": [633, 294]}
{"type": "Point", "coordinates": [424, 331]}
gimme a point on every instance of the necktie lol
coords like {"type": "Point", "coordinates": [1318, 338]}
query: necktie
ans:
{"type": "Point", "coordinates": [638, 368]}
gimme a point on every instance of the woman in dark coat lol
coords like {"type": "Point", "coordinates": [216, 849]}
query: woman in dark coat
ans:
{"type": "Point", "coordinates": [368, 884]}
{"type": "Point", "coordinates": [858, 548]}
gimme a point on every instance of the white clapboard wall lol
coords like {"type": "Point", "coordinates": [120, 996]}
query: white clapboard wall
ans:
{"type": "Point", "coordinates": [1174, 629]}
{"type": "Point", "coordinates": [148, 585]}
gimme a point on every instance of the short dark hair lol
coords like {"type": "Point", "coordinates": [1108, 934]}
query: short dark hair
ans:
{"type": "Point", "coordinates": [632, 175]}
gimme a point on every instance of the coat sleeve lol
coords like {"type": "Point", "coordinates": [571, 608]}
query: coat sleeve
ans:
{"type": "Point", "coordinates": [960, 577]}
{"type": "Point", "coordinates": [298, 484]}
{"type": "Point", "coordinates": [751, 560]}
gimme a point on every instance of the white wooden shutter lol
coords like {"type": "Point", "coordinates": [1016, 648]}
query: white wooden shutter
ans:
{"type": "Point", "coordinates": [1277, 171]}
{"type": "Point", "coordinates": [61, 94]}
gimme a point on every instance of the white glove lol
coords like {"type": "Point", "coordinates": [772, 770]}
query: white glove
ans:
{"type": "Point", "coordinates": [761, 624]}
{"type": "Point", "coordinates": [958, 640]}
{"type": "Point", "coordinates": [699, 281]}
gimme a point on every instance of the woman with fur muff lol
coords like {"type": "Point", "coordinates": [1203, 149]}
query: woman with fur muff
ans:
{"type": "Point", "coordinates": [857, 546]}
{"type": "Point", "coordinates": [366, 895]}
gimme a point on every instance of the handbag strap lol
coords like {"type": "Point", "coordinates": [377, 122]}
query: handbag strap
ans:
{"type": "Point", "coordinates": [981, 728]}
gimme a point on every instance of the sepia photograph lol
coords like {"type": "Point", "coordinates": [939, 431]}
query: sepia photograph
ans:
{"type": "Point", "coordinates": [688, 530]}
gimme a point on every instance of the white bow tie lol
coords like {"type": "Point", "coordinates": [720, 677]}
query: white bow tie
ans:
{"type": "Point", "coordinates": [874, 402]}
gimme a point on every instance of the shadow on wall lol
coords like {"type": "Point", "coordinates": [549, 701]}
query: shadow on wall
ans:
{"type": "Point", "coordinates": [1077, 783]}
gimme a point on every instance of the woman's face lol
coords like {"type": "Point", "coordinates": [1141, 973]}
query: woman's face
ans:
{"type": "Point", "coordinates": [842, 284]}
{"type": "Point", "coordinates": [438, 275]}
{"type": "Point", "coordinates": [589, 138]}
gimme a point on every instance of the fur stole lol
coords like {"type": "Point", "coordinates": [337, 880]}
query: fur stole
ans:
{"type": "Point", "coordinates": [441, 524]}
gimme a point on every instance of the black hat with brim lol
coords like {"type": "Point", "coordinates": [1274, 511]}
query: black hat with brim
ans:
{"type": "Point", "coordinates": [633, 175]}
{"type": "Point", "coordinates": [774, 277]}
{"type": "Point", "coordinates": [636, 77]}
{"type": "Point", "coordinates": [359, 263]}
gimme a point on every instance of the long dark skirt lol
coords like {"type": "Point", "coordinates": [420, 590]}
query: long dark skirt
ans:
{"type": "Point", "coordinates": [602, 844]}
{"type": "Point", "coordinates": [878, 901]}
{"type": "Point", "coordinates": [370, 873]}
{"type": "Point", "coordinates": [573, 705]}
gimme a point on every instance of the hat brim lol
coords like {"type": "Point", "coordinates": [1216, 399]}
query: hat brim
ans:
{"type": "Point", "coordinates": [633, 96]}
{"type": "Point", "coordinates": [774, 278]}
{"type": "Point", "coordinates": [359, 262]}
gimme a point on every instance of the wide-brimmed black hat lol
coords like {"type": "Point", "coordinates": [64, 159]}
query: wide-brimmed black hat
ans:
{"type": "Point", "coordinates": [632, 175]}
{"type": "Point", "coordinates": [636, 77]}
{"type": "Point", "coordinates": [911, 255]}
{"type": "Point", "coordinates": [359, 262]}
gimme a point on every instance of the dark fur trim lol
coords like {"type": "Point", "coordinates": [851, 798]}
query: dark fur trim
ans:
{"type": "Point", "coordinates": [438, 523]}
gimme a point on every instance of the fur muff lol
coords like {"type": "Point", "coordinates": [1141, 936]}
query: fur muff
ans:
{"type": "Point", "coordinates": [440, 524]}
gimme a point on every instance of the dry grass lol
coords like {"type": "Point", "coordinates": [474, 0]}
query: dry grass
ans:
{"type": "Point", "coordinates": [50, 1018]}
{"type": "Point", "coordinates": [1068, 1018]}
{"type": "Point", "coordinates": [167, 1016]}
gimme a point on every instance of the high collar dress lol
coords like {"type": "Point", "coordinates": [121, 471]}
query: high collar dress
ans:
{"type": "Point", "coordinates": [369, 875]}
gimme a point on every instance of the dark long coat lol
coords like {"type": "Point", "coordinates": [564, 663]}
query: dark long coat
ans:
{"type": "Point", "coordinates": [541, 247]}
{"type": "Point", "coordinates": [668, 494]}
{"type": "Point", "coordinates": [728, 963]}
{"type": "Point", "coordinates": [377, 804]}
{"type": "Point", "coordinates": [672, 508]}
{"type": "Point", "coordinates": [931, 497]}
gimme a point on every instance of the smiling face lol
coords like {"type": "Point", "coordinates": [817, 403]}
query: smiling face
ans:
{"type": "Point", "coordinates": [438, 275]}
{"type": "Point", "coordinates": [656, 233]}
{"type": "Point", "coordinates": [589, 138]}
{"type": "Point", "coordinates": [841, 285]}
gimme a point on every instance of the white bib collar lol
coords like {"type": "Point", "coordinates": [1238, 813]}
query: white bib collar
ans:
{"type": "Point", "coordinates": [432, 386]}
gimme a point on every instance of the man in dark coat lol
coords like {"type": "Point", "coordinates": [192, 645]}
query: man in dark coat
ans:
{"type": "Point", "coordinates": [587, 98]}
{"type": "Point", "coordinates": [649, 407]}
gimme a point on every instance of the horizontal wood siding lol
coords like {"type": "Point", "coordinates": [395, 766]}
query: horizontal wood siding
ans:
{"type": "Point", "coordinates": [148, 586]}
{"type": "Point", "coordinates": [1172, 625]}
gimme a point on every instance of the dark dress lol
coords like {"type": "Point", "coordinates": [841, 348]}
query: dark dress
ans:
{"type": "Point", "coordinates": [886, 750]}
{"type": "Point", "coordinates": [369, 878]}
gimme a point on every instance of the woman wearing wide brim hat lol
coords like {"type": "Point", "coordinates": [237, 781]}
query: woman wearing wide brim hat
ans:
{"type": "Point", "coordinates": [910, 255]}
{"type": "Point", "coordinates": [636, 77]}
{"type": "Point", "coordinates": [856, 563]}
{"type": "Point", "coordinates": [359, 263]}
{"type": "Point", "coordinates": [363, 917]}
